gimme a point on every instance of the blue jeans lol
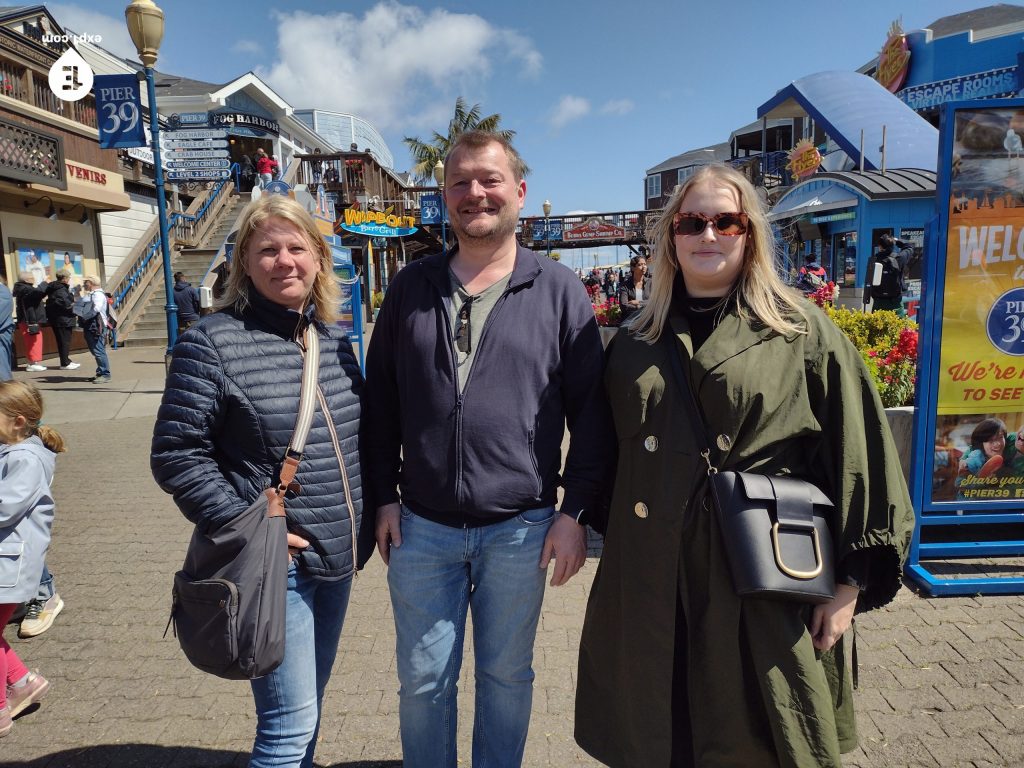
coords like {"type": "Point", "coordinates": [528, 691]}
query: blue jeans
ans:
{"type": "Point", "coordinates": [97, 345]}
{"type": "Point", "coordinates": [288, 699]}
{"type": "Point", "coordinates": [46, 589]}
{"type": "Point", "coordinates": [437, 574]}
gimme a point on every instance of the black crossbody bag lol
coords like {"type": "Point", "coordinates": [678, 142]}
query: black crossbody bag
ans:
{"type": "Point", "coordinates": [774, 529]}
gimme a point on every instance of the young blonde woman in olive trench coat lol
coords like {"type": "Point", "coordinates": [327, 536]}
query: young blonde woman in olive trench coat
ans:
{"type": "Point", "coordinates": [675, 669]}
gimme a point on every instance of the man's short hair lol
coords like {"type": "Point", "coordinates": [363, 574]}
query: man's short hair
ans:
{"type": "Point", "coordinates": [479, 140]}
{"type": "Point", "coordinates": [810, 257]}
{"type": "Point", "coordinates": [63, 274]}
{"type": "Point", "coordinates": [179, 277]}
{"type": "Point", "coordinates": [885, 240]}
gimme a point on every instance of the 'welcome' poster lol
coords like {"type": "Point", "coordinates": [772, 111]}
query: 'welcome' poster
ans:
{"type": "Point", "coordinates": [979, 440]}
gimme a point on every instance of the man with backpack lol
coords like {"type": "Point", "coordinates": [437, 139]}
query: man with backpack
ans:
{"type": "Point", "coordinates": [888, 293]}
{"type": "Point", "coordinates": [93, 318]}
{"type": "Point", "coordinates": [812, 275]}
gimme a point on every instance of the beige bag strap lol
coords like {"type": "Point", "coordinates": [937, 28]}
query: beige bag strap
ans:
{"type": "Point", "coordinates": [307, 406]}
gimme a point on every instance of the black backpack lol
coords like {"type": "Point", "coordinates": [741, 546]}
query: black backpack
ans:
{"type": "Point", "coordinates": [812, 280]}
{"type": "Point", "coordinates": [891, 285]}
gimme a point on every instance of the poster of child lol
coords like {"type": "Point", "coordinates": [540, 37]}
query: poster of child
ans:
{"type": "Point", "coordinates": [70, 262]}
{"type": "Point", "coordinates": [37, 263]}
{"type": "Point", "coordinates": [978, 458]}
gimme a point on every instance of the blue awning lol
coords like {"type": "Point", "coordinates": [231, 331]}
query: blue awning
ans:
{"type": "Point", "coordinates": [844, 104]}
{"type": "Point", "coordinates": [804, 200]}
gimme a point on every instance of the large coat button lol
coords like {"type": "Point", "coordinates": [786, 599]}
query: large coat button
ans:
{"type": "Point", "coordinates": [724, 442]}
{"type": "Point", "coordinates": [651, 443]}
{"type": "Point", "coordinates": [640, 509]}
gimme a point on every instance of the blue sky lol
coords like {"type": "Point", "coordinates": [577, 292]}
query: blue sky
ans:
{"type": "Point", "coordinates": [598, 91]}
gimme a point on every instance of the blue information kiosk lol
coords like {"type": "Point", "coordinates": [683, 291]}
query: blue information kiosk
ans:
{"type": "Point", "coordinates": [968, 445]}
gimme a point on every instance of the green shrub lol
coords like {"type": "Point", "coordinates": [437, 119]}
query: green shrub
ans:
{"type": "Point", "coordinates": [888, 344]}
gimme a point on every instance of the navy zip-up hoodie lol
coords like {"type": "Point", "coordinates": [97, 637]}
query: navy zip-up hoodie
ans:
{"type": "Point", "coordinates": [495, 450]}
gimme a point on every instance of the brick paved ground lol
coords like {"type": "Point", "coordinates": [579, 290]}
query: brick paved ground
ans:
{"type": "Point", "coordinates": [942, 680]}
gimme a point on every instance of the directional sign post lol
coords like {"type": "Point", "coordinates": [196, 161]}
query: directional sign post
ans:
{"type": "Point", "coordinates": [196, 154]}
{"type": "Point", "coordinates": [119, 111]}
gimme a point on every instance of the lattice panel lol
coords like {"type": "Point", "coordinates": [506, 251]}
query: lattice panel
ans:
{"type": "Point", "coordinates": [28, 155]}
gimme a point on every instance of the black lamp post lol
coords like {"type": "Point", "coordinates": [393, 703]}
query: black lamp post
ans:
{"type": "Point", "coordinates": [146, 27]}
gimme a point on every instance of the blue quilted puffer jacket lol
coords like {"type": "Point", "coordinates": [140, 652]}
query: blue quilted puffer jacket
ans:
{"type": "Point", "coordinates": [228, 412]}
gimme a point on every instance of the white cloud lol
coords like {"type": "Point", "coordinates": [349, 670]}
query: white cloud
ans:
{"type": "Point", "coordinates": [617, 107]}
{"type": "Point", "coordinates": [578, 213]}
{"type": "Point", "coordinates": [246, 46]}
{"type": "Point", "coordinates": [396, 66]}
{"type": "Point", "coordinates": [569, 108]}
{"type": "Point", "coordinates": [112, 29]}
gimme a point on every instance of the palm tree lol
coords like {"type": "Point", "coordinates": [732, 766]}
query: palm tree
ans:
{"type": "Point", "coordinates": [426, 154]}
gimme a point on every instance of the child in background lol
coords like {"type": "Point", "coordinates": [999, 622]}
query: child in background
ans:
{"type": "Point", "coordinates": [27, 458]}
{"type": "Point", "coordinates": [991, 448]}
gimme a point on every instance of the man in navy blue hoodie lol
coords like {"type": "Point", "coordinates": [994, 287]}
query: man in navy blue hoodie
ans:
{"type": "Point", "coordinates": [478, 360]}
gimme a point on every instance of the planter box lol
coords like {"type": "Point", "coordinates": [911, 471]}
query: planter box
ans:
{"type": "Point", "coordinates": [901, 422]}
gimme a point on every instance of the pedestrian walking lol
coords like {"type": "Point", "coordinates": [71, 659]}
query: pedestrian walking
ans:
{"type": "Point", "coordinates": [228, 412]}
{"type": "Point", "coordinates": [186, 298]}
{"type": "Point", "coordinates": [91, 308]}
{"type": "Point", "coordinates": [478, 359]}
{"type": "Point", "coordinates": [676, 668]}
{"type": "Point", "coordinates": [28, 299]}
{"type": "Point", "coordinates": [635, 289]}
{"type": "Point", "coordinates": [60, 314]}
{"type": "Point", "coordinates": [893, 256]}
{"type": "Point", "coordinates": [27, 460]}
{"type": "Point", "coordinates": [247, 174]}
{"type": "Point", "coordinates": [265, 168]}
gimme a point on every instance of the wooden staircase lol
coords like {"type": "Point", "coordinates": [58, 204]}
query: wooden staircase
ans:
{"type": "Point", "coordinates": [150, 327]}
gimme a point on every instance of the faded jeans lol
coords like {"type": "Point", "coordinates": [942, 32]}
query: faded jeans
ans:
{"type": "Point", "coordinates": [435, 577]}
{"type": "Point", "coordinates": [97, 343]}
{"type": "Point", "coordinates": [288, 699]}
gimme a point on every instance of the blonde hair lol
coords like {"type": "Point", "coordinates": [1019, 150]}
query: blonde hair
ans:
{"type": "Point", "coordinates": [325, 295]}
{"type": "Point", "coordinates": [20, 398]}
{"type": "Point", "coordinates": [758, 291]}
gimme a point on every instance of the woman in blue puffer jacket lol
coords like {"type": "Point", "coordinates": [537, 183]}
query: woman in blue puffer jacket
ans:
{"type": "Point", "coordinates": [228, 412]}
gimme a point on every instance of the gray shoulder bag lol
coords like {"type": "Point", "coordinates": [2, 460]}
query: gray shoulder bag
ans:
{"type": "Point", "coordinates": [774, 529]}
{"type": "Point", "coordinates": [229, 598]}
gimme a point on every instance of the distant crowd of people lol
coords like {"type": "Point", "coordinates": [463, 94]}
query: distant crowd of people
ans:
{"type": "Point", "coordinates": [629, 290]}
{"type": "Point", "coordinates": [33, 305]}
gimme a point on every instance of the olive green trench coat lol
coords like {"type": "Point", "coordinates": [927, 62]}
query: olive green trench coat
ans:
{"type": "Point", "coordinates": [758, 694]}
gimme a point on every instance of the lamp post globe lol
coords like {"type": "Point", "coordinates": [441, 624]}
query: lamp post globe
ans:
{"type": "Point", "coordinates": [146, 27]}
{"type": "Point", "coordinates": [439, 178]}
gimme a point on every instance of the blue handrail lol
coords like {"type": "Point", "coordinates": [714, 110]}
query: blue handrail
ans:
{"type": "Point", "coordinates": [134, 277]}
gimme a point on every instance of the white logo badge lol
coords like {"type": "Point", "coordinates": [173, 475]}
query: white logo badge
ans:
{"type": "Point", "coordinates": [71, 77]}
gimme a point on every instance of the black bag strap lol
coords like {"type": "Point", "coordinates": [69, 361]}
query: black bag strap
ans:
{"type": "Point", "coordinates": [692, 408]}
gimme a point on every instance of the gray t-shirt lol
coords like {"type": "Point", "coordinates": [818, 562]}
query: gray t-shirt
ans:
{"type": "Point", "coordinates": [480, 309]}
